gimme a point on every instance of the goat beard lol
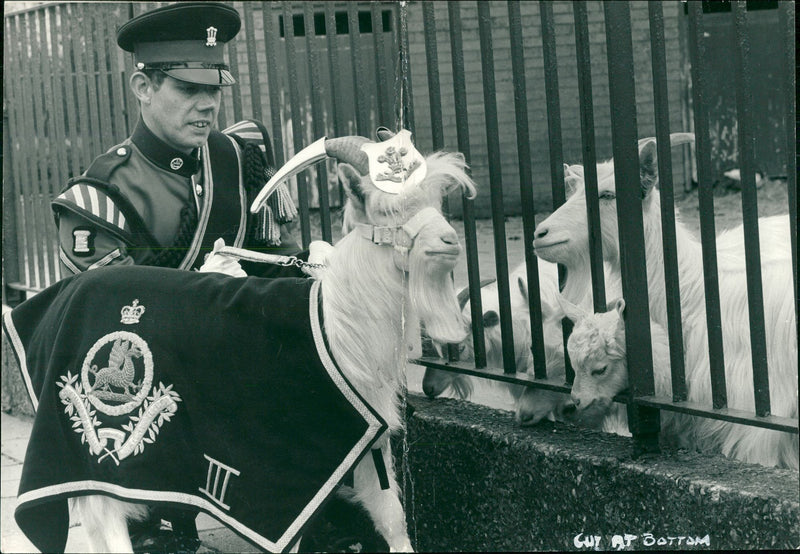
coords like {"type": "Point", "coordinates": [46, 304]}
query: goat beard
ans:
{"type": "Point", "coordinates": [434, 299]}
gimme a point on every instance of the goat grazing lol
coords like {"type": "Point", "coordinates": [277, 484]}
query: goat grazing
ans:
{"type": "Point", "coordinates": [390, 272]}
{"type": "Point", "coordinates": [563, 238]}
{"type": "Point", "coordinates": [540, 403]}
{"type": "Point", "coordinates": [597, 350]}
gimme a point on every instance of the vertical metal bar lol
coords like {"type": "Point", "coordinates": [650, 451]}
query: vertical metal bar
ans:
{"type": "Point", "coordinates": [71, 92]}
{"type": "Point", "coordinates": [317, 118]}
{"type": "Point", "coordinates": [496, 185]}
{"type": "Point", "coordinates": [297, 120]}
{"type": "Point", "coordinates": [53, 89]}
{"type": "Point", "coordinates": [101, 79]}
{"type": "Point", "coordinates": [462, 132]}
{"type": "Point", "coordinates": [383, 112]}
{"type": "Point", "coordinates": [706, 202]}
{"type": "Point", "coordinates": [333, 64]}
{"type": "Point", "coordinates": [360, 103]}
{"type": "Point", "coordinates": [39, 145]}
{"type": "Point", "coordinates": [644, 423]}
{"type": "Point", "coordinates": [236, 92]}
{"type": "Point", "coordinates": [118, 97]}
{"type": "Point", "coordinates": [556, 150]}
{"type": "Point", "coordinates": [666, 189]}
{"type": "Point", "coordinates": [787, 22]}
{"type": "Point", "coordinates": [97, 137]}
{"type": "Point", "coordinates": [12, 190]}
{"type": "Point", "coordinates": [435, 101]}
{"type": "Point", "coordinates": [252, 60]}
{"type": "Point", "coordinates": [589, 155]}
{"type": "Point", "coordinates": [526, 187]}
{"type": "Point", "coordinates": [432, 64]}
{"type": "Point", "coordinates": [56, 171]}
{"type": "Point", "coordinates": [752, 249]}
{"type": "Point", "coordinates": [272, 40]}
{"type": "Point", "coordinates": [405, 70]}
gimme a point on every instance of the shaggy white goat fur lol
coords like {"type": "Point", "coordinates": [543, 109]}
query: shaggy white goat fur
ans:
{"type": "Point", "coordinates": [563, 237]}
{"type": "Point", "coordinates": [541, 403]}
{"type": "Point", "coordinates": [370, 306]}
{"type": "Point", "coordinates": [597, 350]}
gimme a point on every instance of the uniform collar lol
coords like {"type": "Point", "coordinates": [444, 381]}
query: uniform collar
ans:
{"type": "Point", "coordinates": [162, 154]}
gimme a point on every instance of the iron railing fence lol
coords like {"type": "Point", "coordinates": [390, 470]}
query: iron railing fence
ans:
{"type": "Point", "coordinates": [642, 400]}
{"type": "Point", "coordinates": [353, 66]}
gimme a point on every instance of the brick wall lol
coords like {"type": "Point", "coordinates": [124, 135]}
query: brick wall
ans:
{"type": "Point", "coordinates": [534, 74]}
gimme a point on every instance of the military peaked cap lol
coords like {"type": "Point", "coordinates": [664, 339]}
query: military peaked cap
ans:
{"type": "Point", "coordinates": [185, 40]}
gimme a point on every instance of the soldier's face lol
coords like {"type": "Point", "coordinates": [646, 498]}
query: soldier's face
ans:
{"type": "Point", "coordinates": [181, 114]}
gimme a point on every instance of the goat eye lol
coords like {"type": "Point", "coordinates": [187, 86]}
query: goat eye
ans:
{"type": "Point", "coordinates": [600, 371]}
{"type": "Point", "coordinates": [607, 195]}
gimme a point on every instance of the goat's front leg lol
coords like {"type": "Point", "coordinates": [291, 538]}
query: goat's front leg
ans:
{"type": "Point", "coordinates": [383, 506]}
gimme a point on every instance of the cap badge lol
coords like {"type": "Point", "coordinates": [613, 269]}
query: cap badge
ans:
{"type": "Point", "coordinates": [131, 314]}
{"type": "Point", "coordinates": [211, 39]}
{"type": "Point", "coordinates": [176, 163]}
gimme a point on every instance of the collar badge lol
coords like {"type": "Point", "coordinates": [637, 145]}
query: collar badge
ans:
{"type": "Point", "coordinates": [176, 163]}
{"type": "Point", "coordinates": [211, 39]}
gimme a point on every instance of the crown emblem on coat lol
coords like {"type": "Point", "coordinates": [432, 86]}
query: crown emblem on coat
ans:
{"type": "Point", "coordinates": [132, 313]}
{"type": "Point", "coordinates": [211, 39]}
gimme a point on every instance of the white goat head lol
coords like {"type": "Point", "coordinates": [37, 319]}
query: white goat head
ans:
{"type": "Point", "coordinates": [564, 236]}
{"type": "Point", "coordinates": [394, 199]}
{"type": "Point", "coordinates": [596, 349]}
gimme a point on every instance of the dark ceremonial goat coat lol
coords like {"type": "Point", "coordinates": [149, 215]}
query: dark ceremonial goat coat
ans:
{"type": "Point", "coordinates": [197, 390]}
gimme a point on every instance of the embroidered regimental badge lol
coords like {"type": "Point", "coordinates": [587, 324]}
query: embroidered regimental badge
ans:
{"type": "Point", "coordinates": [83, 241]}
{"type": "Point", "coordinates": [116, 378]}
{"type": "Point", "coordinates": [395, 164]}
{"type": "Point", "coordinates": [211, 39]}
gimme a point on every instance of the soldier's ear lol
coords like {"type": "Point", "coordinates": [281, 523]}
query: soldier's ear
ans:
{"type": "Point", "coordinates": [142, 87]}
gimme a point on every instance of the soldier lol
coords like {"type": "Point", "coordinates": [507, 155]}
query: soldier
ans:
{"type": "Point", "coordinates": [168, 192]}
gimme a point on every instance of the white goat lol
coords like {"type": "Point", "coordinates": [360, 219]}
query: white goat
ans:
{"type": "Point", "coordinates": [541, 403]}
{"type": "Point", "coordinates": [370, 294]}
{"type": "Point", "coordinates": [597, 351]}
{"type": "Point", "coordinates": [563, 237]}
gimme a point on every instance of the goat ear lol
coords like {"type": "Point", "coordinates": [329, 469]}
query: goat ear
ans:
{"type": "Point", "coordinates": [570, 310]}
{"type": "Point", "coordinates": [351, 179]}
{"type": "Point", "coordinates": [648, 166]}
{"type": "Point", "coordinates": [618, 305]}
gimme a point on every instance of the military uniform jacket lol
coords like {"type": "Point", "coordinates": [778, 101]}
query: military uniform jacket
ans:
{"type": "Point", "coordinates": [145, 203]}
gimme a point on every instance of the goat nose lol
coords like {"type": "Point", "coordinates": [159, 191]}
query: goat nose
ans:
{"type": "Point", "coordinates": [450, 238]}
{"type": "Point", "coordinates": [576, 401]}
{"type": "Point", "coordinates": [539, 232]}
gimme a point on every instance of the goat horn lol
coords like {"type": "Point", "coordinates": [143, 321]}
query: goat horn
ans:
{"type": "Point", "coordinates": [463, 294]}
{"type": "Point", "coordinates": [344, 149]}
{"type": "Point", "coordinates": [675, 139]}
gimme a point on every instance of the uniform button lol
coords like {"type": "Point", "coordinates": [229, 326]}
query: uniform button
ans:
{"type": "Point", "coordinates": [121, 151]}
{"type": "Point", "coordinates": [198, 189]}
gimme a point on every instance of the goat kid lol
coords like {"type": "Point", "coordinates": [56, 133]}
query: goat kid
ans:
{"type": "Point", "coordinates": [531, 405]}
{"type": "Point", "coordinates": [597, 350]}
{"type": "Point", "coordinates": [563, 238]}
{"type": "Point", "coordinates": [371, 297]}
